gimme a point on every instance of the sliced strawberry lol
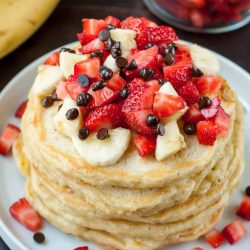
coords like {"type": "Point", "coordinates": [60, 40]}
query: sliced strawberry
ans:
{"type": "Point", "coordinates": [214, 238]}
{"type": "Point", "coordinates": [116, 83]}
{"type": "Point", "coordinates": [189, 93]}
{"type": "Point", "coordinates": [84, 38]}
{"type": "Point", "coordinates": [222, 120]}
{"type": "Point", "coordinates": [154, 84]}
{"type": "Point", "coordinates": [88, 67]}
{"type": "Point", "coordinates": [166, 105]}
{"type": "Point", "coordinates": [92, 27]}
{"type": "Point", "coordinates": [208, 84]}
{"type": "Point", "coordinates": [61, 91]}
{"type": "Point", "coordinates": [94, 45]}
{"type": "Point", "coordinates": [21, 109]}
{"type": "Point", "coordinates": [183, 51]}
{"type": "Point", "coordinates": [112, 20]}
{"type": "Point", "coordinates": [148, 23]}
{"type": "Point", "coordinates": [213, 109]}
{"type": "Point", "coordinates": [145, 144]}
{"type": "Point", "coordinates": [7, 138]}
{"type": "Point", "coordinates": [72, 87]}
{"type": "Point", "coordinates": [244, 209]}
{"type": "Point", "coordinates": [26, 215]}
{"type": "Point", "coordinates": [82, 248]}
{"type": "Point", "coordinates": [234, 232]}
{"type": "Point", "coordinates": [206, 132]}
{"type": "Point", "coordinates": [53, 59]}
{"type": "Point", "coordinates": [193, 114]}
{"type": "Point", "coordinates": [108, 116]}
{"type": "Point", "coordinates": [134, 51]}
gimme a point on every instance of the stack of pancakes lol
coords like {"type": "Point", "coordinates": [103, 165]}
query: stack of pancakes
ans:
{"type": "Point", "coordinates": [137, 203]}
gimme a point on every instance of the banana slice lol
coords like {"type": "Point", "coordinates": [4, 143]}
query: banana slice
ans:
{"type": "Point", "coordinates": [170, 143]}
{"type": "Point", "coordinates": [103, 152]}
{"type": "Point", "coordinates": [110, 63]}
{"type": "Point", "coordinates": [204, 60]}
{"type": "Point", "coordinates": [68, 60]}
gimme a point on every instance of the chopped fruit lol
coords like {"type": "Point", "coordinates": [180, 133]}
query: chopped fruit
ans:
{"type": "Point", "coordinates": [154, 84]}
{"type": "Point", "coordinates": [134, 51]}
{"type": "Point", "coordinates": [208, 84]}
{"type": "Point", "coordinates": [244, 209]}
{"type": "Point", "coordinates": [193, 114]}
{"type": "Point", "coordinates": [108, 117]}
{"type": "Point", "coordinates": [53, 59]}
{"type": "Point", "coordinates": [94, 45]}
{"type": "Point", "coordinates": [206, 132]}
{"type": "Point", "coordinates": [183, 51]}
{"type": "Point", "coordinates": [222, 120]}
{"type": "Point", "coordinates": [194, 3]}
{"type": "Point", "coordinates": [112, 20]}
{"type": "Point", "coordinates": [234, 232]}
{"type": "Point", "coordinates": [214, 238]}
{"type": "Point", "coordinates": [81, 248]}
{"type": "Point", "coordinates": [116, 83]}
{"type": "Point", "coordinates": [148, 23]}
{"type": "Point", "coordinates": [7, 138]}
{"type": "Point", "coordinates": [166, 105]}
{"type": "Point", "coordinates": [145, 144]}
{"type": "Point", "coordinates": [88, 67]}
{"type": "Point", "coordinates": [213, 109]}
{"type": "Point", "coordinates": [26, 215]}
{"type": "Point", "coordinates": [21, 109]}
{"type": "Point", "coordinates": [189, 93]}
{"type": "Point", "coordinates": [198, 248]}
{"type": "Point", "coordinates": [61, 91]}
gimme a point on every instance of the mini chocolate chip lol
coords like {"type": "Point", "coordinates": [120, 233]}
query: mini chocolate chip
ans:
{"type": "Point", "coordinates": [39, 237]}
{"type": "Point", "coordinates": [72, 114]}
{"type": "Point", "coordinates": [102, 134]}
{"type": "Point", "coordinates": [169, 49]}
{"type": "Point", "coordinates": [67, 50]}
{"type": "Point", "coordinates": [124, 93]}
{"type": "Point", "coordinates": [59, 107]}
{"type": "Point", "coordinates": [162, 81]}
{"type": "Point", "coordinates": [152, 120]}
{"type": "Point", "coordinates": [132, 65]}
{"type": "Point", "coordinates": [83, 133]}
{"type": "Point", "coordinates": [104, 35]}
{"type": "Point", "coordinates": [146, 73]}
{"type": "Point", "coordinates": [110, 26]}
{"type": "Point", "coordinates": [83, 99]}
{"type": "Point", "coordinates": [115, 52]}
{"type": "Point", "coordinates": [196, 72]}
{"type": "Point", "coordinates": [47, 102]}
{"type": "Point", "coordinates": [105, 73]}
{"type": "Point", "coordinates": [83, 80]}
{"type": "Point", "coordinates": [121, 62]}
{"type": "Point", "coordinates": [99, 85]}
{"type": "Point", "coordinates": [175, 45]}
{"type": "Point", "coordinates": [169, 59]}
{"type": "Point", "coordinates": [122, 74]}
{"type": "Point", "coordinates": [96, 54]}
{"type": "Point", "coordinates": [204, 102]}
{"type": "Point", "coordinates": [109, 43]}
{"type": "Point", "coordinates": [149, 45]}
{"type": "Point", "coordinates": [116, 45]}
{"type": "Point", "coordinates": [189, 128]}
{"type": "Point", "coordinates": [54, 97]}
{"type": "Point", "coordinates": [160, 129]}
{"type": "Point", "coordinates": [247, 191]}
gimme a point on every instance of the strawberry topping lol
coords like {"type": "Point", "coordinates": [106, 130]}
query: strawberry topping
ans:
{"type": "Point", "coordinates": [206, 132]}
{"type": "Point", "coordinates": [214, 238]}
{"type": "Point", "coordinates": [189, 93]}
{"type": "Point", "coordinates": [145, 144]}
{"type": "Point", "coordinates": [208, 84]}
{"type": "Point", "coordinates": [53, 59]}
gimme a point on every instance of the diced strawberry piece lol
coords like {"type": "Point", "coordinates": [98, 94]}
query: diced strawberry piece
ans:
{"type": "Point", "coordinates": [94, 45]}
{"type": "Point", "coordinates": [213, 109]}
{"type": "Point", "coordinates": [244, 209]}
{"type": "Point", "coordinates": [234, 232]}
{"type": "Point", "coordinates": [112, 20]}
{"type": "Point", "coordinates": [131, 22]}
{"type": "Point", "coordinates": [208, 84]}
{"type": "Point", "coordinates": [116, 83]}
{"type": "Point", "coordinates": [72, 87]}
{"type": "Point", "coordinates": [23, 212]}
{"type": "Point", "coordinates": [7, 138]}
{"type": "Point", "coordinates": [88, 67]}
{"type": "Point", "coordinates": [134, 51]}
{"type": "Point", "coordinates": [193, 114]}
{"type": "Point", "coordinates": [148, 23]}
{"type": "Point", "coordinates": [108, 116]}
{"type": "Point", "coordinates": [214, 238]}
{"type": "Point", "coordinates": [53, 59]}
{"type": "Point", "coordinates": [183, 51]}
{"type": "Point", "coordinates": [189, 93]}
{"type": "Point", "coordinates": [84, 38]}
{"type": "Point", "coordinates": [165, 105]}
{"type": "Point", "coordinates": [145, 144]}
{"type": "Point", "coordinates": [222, 120]}
{"type": "Point", "coordinates": [82, 248]}
{"type": "Point", "coordinates": [154, 85]}
{"type": "Point", "coordinates": [21, 109]}
{"type": "Point", "coordinates": [93, 26]}
{"type": "Point", "coordinates": [61, 91]}
{"type": "Point", "coordinates": [141, 37]}
{"type": "Point", "coordinates": [206, 132]}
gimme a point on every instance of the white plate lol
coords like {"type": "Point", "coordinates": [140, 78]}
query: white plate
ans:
{"type": "Point", "coordinates": [12, 183]}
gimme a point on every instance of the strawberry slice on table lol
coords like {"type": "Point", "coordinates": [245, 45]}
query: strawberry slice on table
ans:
{"type": "Point", "coordinates": [234, 232]}
{"type": "Point", "coordinates": [88, 67]}
{"type": "Point", "coordinates": [189, 93]}
{"type": "Point", "coordinates": [145, 144]}
{"type": "Point", "coordinates": [222, 120]}
{"type": "Point", "coordinates": [53, 59]}
{"type": "Point", "coordinates": [116, 83]}
{"type": "Point", "coordinates": [208, 84]}
{"type": "Point", "coordinates": [213, 109]}
{"type": "Point", "coordinates": [244, 209]}
{"type": "Point", "coordinates": [94, 45]}
{"type": "Point", "coordinates": [206, 132]}
{"type": "Point", "coordinates": [23, 212]}
{"type": "Point", "coordinates": [112, 20]}
{"type": "Point", "coordinates": [7, 138]}
{"type": "Point", "coordinates": [214, 238]}
{"type": "Point", "coordinates": [193, 114]}
{"type": "Point", "coordinates": [21, 109]}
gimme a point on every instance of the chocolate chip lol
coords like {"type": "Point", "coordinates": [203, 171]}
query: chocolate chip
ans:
{"type": "Point", "coordinates": [104, 35]}
{"type": "Point", "coordinates": [110, 26]}
{"type": "Point", "coordinates": [121, 62]}
{"type": "Point", "coordinates": [204, 102]}
{"type": "Point", "coordinates": [105, 73]}
{"type": "Point", "coordinates": [39, 237]}
{"type": "Point", "coordinates": [116, 45]}
{"type": "Point", "coordinates": [124, 93]}
{"type": "Point", "coordinates": [160, 129]}
{"type": "Point", "coordinates": [115, 52]}
{"type": "Point", "coordinates": [152, 120]}
{"type": "Point", "coordinates": [149, 45]}
{"type": "Point", "coordinates": [72, 114]}
{"type": "Point", "coordinates": [99, 85]}
{"type": "Point", "coordinates": [102, 134]}
{"type": "Point", "coordinates": [83, 133]}
{"type": "Point", "coordinates": [83, 80]}
{"type": "Point", "coordinates": [169, 49]}
{"type": "Point", "coordinates": [122, 74]}
{"type": "Point", "coordinates": [146, 73]}
{"type": "Point", "coordinates": [247, 191]}
{"type": "Point", "coordinates": [54, 97]}
{"type": "Point", "coordinates": [162, 81]}
{"type": "Point", "coordinates": [109, 43]}
{"type": "Point", "coordinates": [96, 54]}
{"type": "Point", "coordinates": [67, 50]}
{"type": "Point", "coordinates": [196, 72]}
{"type": "Point", "coordinates": [132, 65]}
{"type": "Point", "coordinates": [59, 107]}
{"type": "Point", "coordinates": [189, 128]}
{"type": "Point", "coordinates": [175, 45]}
{"type": "Point", "coordinates": [169, 59]}
{"type": "Point", "coordinates": [47, 102]}
{"type": "Point", "coordinates": [83, 99]}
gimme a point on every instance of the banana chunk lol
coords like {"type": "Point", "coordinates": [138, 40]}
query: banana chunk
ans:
{"type": "Point", "coordinates": [110, 63]}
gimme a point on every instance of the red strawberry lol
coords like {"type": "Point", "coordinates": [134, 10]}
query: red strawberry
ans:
{"type": "Point", "coordinates": [112, 20]}
{"type": "Point", "coordinates": [61, 91]}
{"type": "Point", "coordinates": [206, 132]}
{"type": "Point", "coordinates": [21, 109]}
{"type": "Point", "coordinates": [81, 248]}
{"type": "Point", "coordinates": [72, 87]}
{"type": "Point", "coordinates": [94, 45]}
{"type": "Point", "coordinates": [244, 209]}
{"type": "Point", "coordinates": [214, 238]}
{"type": "Point", "coordinates": [222, 120]}
{"type": "Point", "coordinates": [194, 3]}
{"type": "Point", "coordinates": [208, 84]}
{"type": "Point", "coordinates": [88, 67]}
{"type": "Point", "coordinates": [193, 114]}
{"type": "Point", "coordinates": [154, 84]}
{"type": "Point", "coordinates": [26, 215]}
{"type": "Point", "coordinates": [108, 116]}
{"type": "Point", "coordinates": [116, 83]}
{"type": "Point", "coordinates": [183, 51]}
{"type": "Point", "coordinates": [189, 93]}
{"type": "Point", "coordinates": [234, 232]}
{"type": "Point", "coordinates": [7, 138]}
{"type": "Point", "coordinates": [148, 23]}
{"type": "Point", "coordinates": [145, 144]}
{"type": "Point", "coordinates": [166, 105]}
{"type": "Point", "coordinates": [134, 51]}
{"type": "Point", "coordinates": [198, 248]}
{"type": "Point", "coordinates": [92, 27]}
{"type": "Point", "coordinates": [53, 59]}
{"type": "Point", "coordinates": [213, 109]}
